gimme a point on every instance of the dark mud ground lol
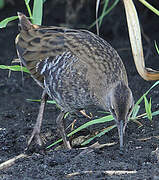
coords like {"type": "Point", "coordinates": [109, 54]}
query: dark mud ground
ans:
{"type": "Point", "coordinates": [17, 115]}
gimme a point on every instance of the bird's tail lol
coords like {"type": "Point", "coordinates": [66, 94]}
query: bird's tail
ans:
{"type": "Point", "coordinates": [24, 23]}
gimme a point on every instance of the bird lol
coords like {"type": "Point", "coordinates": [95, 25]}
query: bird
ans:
{"type": "Point", "coordinates": [77, 69]}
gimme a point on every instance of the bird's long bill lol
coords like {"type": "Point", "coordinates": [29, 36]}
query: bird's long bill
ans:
{"type": "Point", "coordinates": [120, 127]}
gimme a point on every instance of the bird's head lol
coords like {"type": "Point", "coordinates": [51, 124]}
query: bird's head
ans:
{"type": "Point", "coordinates": [120, 103]}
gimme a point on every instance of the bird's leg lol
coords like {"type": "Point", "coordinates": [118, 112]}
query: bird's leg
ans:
{"type": "Point", "coordinates": [36, 131]}
{"type": "Point", "coordinates": [60, 124]}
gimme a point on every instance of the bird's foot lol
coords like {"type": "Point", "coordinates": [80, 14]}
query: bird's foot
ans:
{"type": "Point", "coordinates": [35, 143]}
{"type": "Point", "coordinates": [67, 144]}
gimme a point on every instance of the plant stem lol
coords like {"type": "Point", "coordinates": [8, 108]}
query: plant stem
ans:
{"type": "Point", "coordinates": [28, 8]}
{"type": "Point", "coordinates": [150, 7]}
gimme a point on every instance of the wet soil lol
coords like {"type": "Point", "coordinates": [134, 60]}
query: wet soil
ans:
{"type": "Point", "coordinates": [18, 116]}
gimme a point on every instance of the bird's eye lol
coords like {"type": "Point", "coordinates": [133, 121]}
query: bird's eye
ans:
{"type": "Point", "coordinates": [130, 110]}
{"type": "Point", "coordinates": [112, 110]}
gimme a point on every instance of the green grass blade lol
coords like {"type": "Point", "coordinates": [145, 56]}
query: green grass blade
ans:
{"type": "Point", "coordinates": [107, 12]}
{"type": "Point", "coordinates": [96, 121]}
{"type": "Point", "coordinates": [148, 108]}
{"type": "Point", "coordinates": [99, 134]}
{"type": "Point", "coordinates": [15, 68]}
{"type": "Point", "coordinates": [28, 8]}
{"type": "Point", "coordinates": [149, 6]}
{"type": "Point", "coordinates": [156, 83]}
{"type": "Point", "coordinates": [142, 97]}
{"type": "Point", "coordinates": [4, 23]}
{"type": "Point", "coordinates": [103, 11]}
{"type": "Point", "coordinates": [150, 105]}
{"type": "Point", "coordinates": [38, 100]}
{"type": "Point", "coordinates": [157, 49]}
{"type": "Point", "coordinates": [153, 114]}
{"type": "Point", "coordinates": [53, 144]}
{"type": "Point", "coordinates": [111, 7]}
{"type": "Point", "coordinates": [135, 111]}
{"type": "Point", "coordinates": [37, 12]}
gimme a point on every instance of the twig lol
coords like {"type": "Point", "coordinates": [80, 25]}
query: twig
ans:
{"type": "Point", "coordinates": [113, 172]}
{"type": "Point", "coordinates": [10, 162]}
